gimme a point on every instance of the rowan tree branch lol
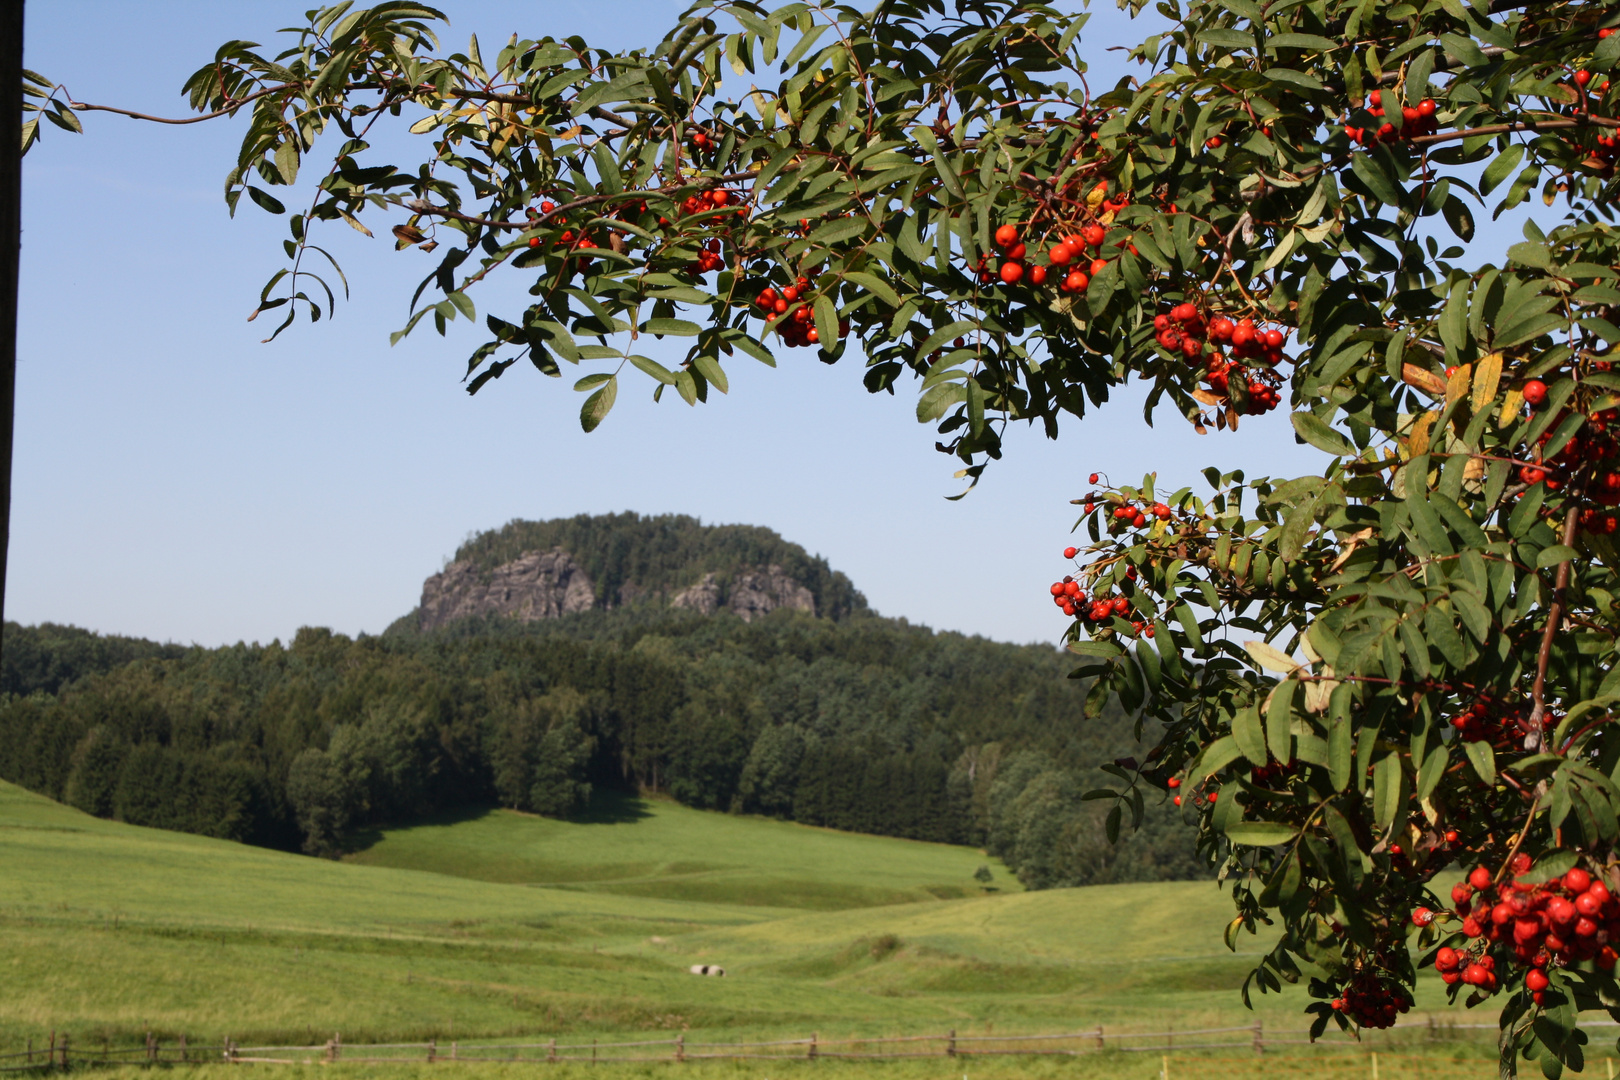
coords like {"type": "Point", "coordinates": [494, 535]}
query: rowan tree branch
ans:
{"type": "Point", "coordinates": [1555, 615]}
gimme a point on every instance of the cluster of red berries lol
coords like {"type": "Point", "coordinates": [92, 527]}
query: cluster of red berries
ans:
{"type": "Point", "coordinates": [1184, 329]}
{"type": "Point", "coordinates": [1565, 920]}
{"type": "Point", "coordinates": [1372, 1000]}
{"type": "Point", "coordinates": [1592, 457]}
{"type": "Point", "coordinates": [799, 329]}
{"type": "Point", "coordinates": [1415, 120]}
{"type": "Point", "coordinates": [1071, 262]}
{"type": "Point", "coordinates": [713, 199]}
{"type": "Point", "coordinates": [1483, 723]}
{"type": "Point", "coordinates": [708, 259]}
{"type": "Point", "coordinates": [1272, 775]}
{"type": "Point", "coordinates": [1198, 797]}
{"type": "Point", "coordinates": [1137, 516]}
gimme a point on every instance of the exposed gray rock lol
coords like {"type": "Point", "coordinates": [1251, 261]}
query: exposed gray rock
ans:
{"type": "Point", "coordinates": [535, 585]}
{"type": "Point", "coordinates": [750, 593]}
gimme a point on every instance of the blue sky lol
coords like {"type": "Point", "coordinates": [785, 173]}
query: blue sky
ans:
{"type": "Point", "coordinates": [177, 479]}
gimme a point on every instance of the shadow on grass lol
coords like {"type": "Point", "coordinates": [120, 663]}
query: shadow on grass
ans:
{"type": "Point", "coordinates": [612, 808]}
{"type": "Point", "coordinates": [604, 808]}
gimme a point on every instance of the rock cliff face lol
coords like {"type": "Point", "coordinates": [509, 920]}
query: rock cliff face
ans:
{"type": "Point", "coordinates": [550, 584]}
{"type": "Point", "coordinates": [751, 593]}
{"type": "Point", "coordinates": [535, 585]}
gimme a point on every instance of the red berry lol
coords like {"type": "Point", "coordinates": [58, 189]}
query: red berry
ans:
{"type": "Point", "coordinates": [1582, 77]}
{"type": "Point", "coordinates": [1426, 107]}
{"type": "Point", "coordinates": [1535, 391]}
{"type": "Point", "coordinates": [1214, 795]}
{"type": "Point", "coordinates": [1098, 266]}
{"type": "Point", "coordinates": [1577, 880]}
{"type": "Point", "coordinates": [1069, 552]}
{"type": "Point", "coordinates": [1451, 836]}
{"type": "Point", "coordinates": [1422, 917]}
{"type": "Point", "coordinates": [1092, 479]}
{"type": "Point", "coordinates": [1007, 236]}
{"type": "Point", "coordinates": [1213, 142]}
{"type": "Point", "coordinates": [1480, 878]}
{"type": "Point", "coordinates": [1059, 255]}
{"type": "Point", "coordinates": [1176, 800]}
{"type": "Point", "coordinates": [1037, 275]}
{"type": "Point", "coordinates": [1535, 979]}
{"type": "Point", "coordinates": [1173, 783]}
{"type": "Point", "coordinates": [1012, 272]}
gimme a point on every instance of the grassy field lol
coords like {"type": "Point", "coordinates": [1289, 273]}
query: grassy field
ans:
{"type": "Point", "coordinates": [502, 925]}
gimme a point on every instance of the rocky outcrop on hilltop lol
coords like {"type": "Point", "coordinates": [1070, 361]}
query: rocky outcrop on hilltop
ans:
{"type": "Point", "coordinates": [535, 585]}
{"type": "Point", "coordinates": [748, 593]}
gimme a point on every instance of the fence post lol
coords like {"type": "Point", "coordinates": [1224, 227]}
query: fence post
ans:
{"type": "Point", "coordinates": [812, 1052]}
{"type": "Point", "coordinates": [680, 1046]}
{"type": "Point", "coordinates": [334, 1046]}
{"type": "Point", "coordinates": [950, 1044]}
{"type": "Point", "coordinates": [433, 1050]}
{"type": "Point", "coordinates": [1259, 1038]}
{"type": "Point", "coordinates": [455, 1050]}
{"type": "Point", "coordinates": [1099, 1037]}
{"type": "Point", "coordinates": [30, 1049]}
{"type": "Point", "coordinates": [551, 1051]}
{"type": "Point", "coordinates": [64, 1049]}
{"type": "Point", "coordinates": [593, 1051]}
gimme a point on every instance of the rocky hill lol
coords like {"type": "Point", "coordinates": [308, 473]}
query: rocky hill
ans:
{"type": "Point", "coordinates": [533, 570]}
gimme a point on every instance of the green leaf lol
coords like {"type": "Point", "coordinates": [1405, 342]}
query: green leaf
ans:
{"type": "Point", "coordinates": [709, 368]}
{"type": "Point", "coordinates": [1250, 735]}
{"type": "Point", "coordinates": [1313, 430]}
{"type": "Point", "coordinates": [1501, 168]}
{"type": "Point", "coordinates": [598, 405]}
{"type": "Point", "coordinates": [1278, 715]}
{"type": "Point", "coordinates": [1552, 556]}
{"type": "Point", "coordinates": [672, 327]}
{"type": "Point", "coordinates": [653, 368]}
{"type": "Point", "coordinates": [1259, 833]}
{"type": "Point", "coordinates": [1340, 755]}
{"type": "Point", "coordinates": [1483, 759]}
{"type": "Point", "coordinates": [1434, 769]}
{"type": "Point", "coordinates": [876, 285]}
{"type": "Point", "coordinates": [826, 322]}
{"type": "Point", "coordinates": [1387, 793]}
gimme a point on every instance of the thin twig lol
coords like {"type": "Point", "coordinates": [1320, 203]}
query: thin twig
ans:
{"type": "Point", "coordinates": [1555, 615]}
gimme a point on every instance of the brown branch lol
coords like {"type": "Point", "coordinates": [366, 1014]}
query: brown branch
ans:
{"type": "Point", "coordinates": [1520, 125]}
{"type": "Point", "coordinates": [419, 206]}
{"type": "Point", "coordinates": [1555, 615]}
{"type": "Point", "coordinates": [237, 103]}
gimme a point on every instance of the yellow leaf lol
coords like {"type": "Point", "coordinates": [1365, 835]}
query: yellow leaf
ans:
{"type": "Point", "coordinates": [1420, 433]}
{"type": "Point", "coordinates": [1487, 379]}
{"type": "Point", "coordinates": [1511, 405]}
{"type": "Point", "coordinates": [1458, 382]}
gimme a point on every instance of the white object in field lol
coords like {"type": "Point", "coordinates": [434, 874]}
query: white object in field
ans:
{"type": "Point", "coordinates": [707, 969]}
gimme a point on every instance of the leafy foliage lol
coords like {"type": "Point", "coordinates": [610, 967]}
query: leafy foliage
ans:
{"type": "Point", "coordinates": [1428, 623]}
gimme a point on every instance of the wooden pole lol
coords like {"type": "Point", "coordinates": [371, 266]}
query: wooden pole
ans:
{"type": "Point", "coordinates": [1259, 1038]}
{"type": "Point", "coordinates": [11, 68]}
{"type": "Point", "coordinates": [1099, 1037]}
{"type": "Point", "coordinates": [551, 1051]}
{"type": "Point", "coordinates": [812, 1052]}
{"type": "Point", "coordinates": [433, 1050]}
{"type": "Point", "coordinates": [680, 1047]}
{"type": "Point", "coordinates": [1375, 1065]}
{"type": "Point", "coordinates": [593, 1054]}
{"type": "Point", "coordinates": [64, 1050]}
{"type": "Point", "coordinates": [184, 1056]}
{"type": "Point", "coordinates": [950, 1044]}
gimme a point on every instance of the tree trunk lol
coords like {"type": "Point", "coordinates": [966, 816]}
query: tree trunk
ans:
{"type": "Point", "coordinates": [11, 65]}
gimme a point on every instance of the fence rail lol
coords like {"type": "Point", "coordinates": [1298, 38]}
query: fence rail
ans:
{"type": "Point", "coordinates": [61, 1052]}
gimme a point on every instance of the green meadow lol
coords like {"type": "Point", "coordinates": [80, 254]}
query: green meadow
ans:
{"type": "Point", "coordinates": [501, 925]}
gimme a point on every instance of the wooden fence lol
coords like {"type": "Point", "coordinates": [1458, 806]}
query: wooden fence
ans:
{"type": "Point", "coordinates": [60, 1052]}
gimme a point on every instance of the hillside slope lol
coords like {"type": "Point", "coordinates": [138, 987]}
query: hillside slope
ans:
{"type": "Point", "coordinates": [111, 931]}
